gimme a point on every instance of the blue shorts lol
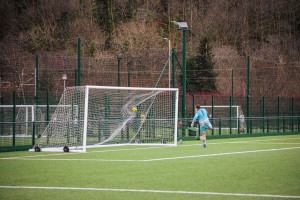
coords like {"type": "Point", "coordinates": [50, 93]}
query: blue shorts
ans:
{"type": "Point", "coordinates": [205, 126]}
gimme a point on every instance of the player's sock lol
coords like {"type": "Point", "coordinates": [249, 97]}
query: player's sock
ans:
{"type": "Point", "coordinates": [204, 142]}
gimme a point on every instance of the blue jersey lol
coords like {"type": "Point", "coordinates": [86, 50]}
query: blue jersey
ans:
{"type": "Point", "coordinates": [201, 115]}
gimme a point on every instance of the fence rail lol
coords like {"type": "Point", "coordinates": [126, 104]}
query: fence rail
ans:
{"type": "Point", "coordinates": [252, 126]}
{"type": "Point", "coordinates": [21, 135]}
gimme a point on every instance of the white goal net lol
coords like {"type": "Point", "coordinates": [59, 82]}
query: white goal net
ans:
{"type": "Point", "coordinates": [101, 116]}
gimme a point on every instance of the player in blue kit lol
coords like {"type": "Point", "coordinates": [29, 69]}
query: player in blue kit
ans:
{"type": "Point", "coordinates": [202, 117]}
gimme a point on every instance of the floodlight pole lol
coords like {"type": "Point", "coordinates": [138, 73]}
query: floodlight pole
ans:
{"type": "Point", "coordinates": [184, 27]}
{"type": "Point", "coordinates": [36, 73]}
{"type": "Point", "coordinates": [173, 68]}
{"type": "Point", "coordinates": [79, 62]}
{"type": "Point", "coordinates": [184, 75]}
{"type": "Point", "coordinates": [64, 78]}
{"type": "Point", "coordinates": [169, 45]}
{"type": "Point", "coordinates": [119, 57]}
{"type": "Point", "coordinates": [248, 93]}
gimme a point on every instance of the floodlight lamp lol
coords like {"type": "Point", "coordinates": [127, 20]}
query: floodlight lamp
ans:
{"type": "Point", "coordinates": [120, 56]}
{"type": "Point", "coordinates": [64, 77]}
{"type": "Point", "coordinates": [181, 25]}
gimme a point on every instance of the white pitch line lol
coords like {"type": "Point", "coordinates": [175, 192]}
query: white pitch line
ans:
{"type": "Point", "coordinates": [152, 191]}
{"type": "Point", "coordinates": [272, 143]}
{"type": "Point", "coordinates": [72, 153]}
{"type": "Point", "coordinates": [222, 154]}
{"type": "Point", "coordinates": [156, 159]}
{"type": "Point", "coordinates": [251, 141]}
{"type": "Point", "coordinates": [147, 148]}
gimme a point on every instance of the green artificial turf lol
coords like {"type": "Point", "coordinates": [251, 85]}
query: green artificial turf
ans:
{"type": "Point", "coordinates": [227, 169]}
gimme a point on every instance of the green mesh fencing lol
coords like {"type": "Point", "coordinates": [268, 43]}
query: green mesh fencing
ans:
{"type": "Point", "coordinates": [147, 68]}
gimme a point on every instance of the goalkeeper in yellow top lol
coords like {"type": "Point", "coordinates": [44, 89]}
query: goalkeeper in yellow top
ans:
{"type": "Point", "coordinates": [202, 117]}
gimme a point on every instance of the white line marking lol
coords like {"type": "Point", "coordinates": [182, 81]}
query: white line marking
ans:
{"type": "Point", "coordinates": [155, 159]}
{"type": "Point", "coordinates": [152, 191]}
{"type": "Point", "coordinates": [249, 141]}
{"type": "Point", "coordinates": [272, 143]}
{"type": "Point", "coordinates": [222, 154]}
{"type": "Point", "coordinates": [72, 153]}
{"type": "Point", "coordinates": [147, 148]}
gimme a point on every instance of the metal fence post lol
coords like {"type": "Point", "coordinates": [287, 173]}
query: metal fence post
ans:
{"type": "Point", "coordinates": [230, 115]}
{"type": "Point", "coordinates": [48, 110]}
{"type": "Point", "coordinates": [278, 113]}
{"type": "Point", "coordinates": [292, 105]}
{"type": "Point", "coordinates": [212, 112]}
{"type": "Point", "coordinates": [263, 114]}
{"type": "Point", "coordinates": [220, 126]}
{"type": "Point", "coordinates": [14, 119]}
{"type": "Point", "coordinates": [1, 114]}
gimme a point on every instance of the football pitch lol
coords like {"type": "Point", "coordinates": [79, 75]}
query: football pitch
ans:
{"type": "Point", "coordinates": [237, 168]}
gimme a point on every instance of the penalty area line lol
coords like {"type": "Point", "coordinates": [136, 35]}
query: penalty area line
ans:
{"type": "Point", "coordinates": [151, 191]}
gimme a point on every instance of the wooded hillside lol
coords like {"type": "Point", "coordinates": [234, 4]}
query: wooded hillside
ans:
{"type": "Point", "coordinates": [266, 30]}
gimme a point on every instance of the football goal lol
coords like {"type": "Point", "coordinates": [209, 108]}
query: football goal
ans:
{"type": "Point", "coordinates": [224, 112]}
{"type": "Point", "coordinates": [106, 116]}
{"type": "Point", "coordinates": [21, 114]}
{"type": "Point", "coordinates": [25, 115]}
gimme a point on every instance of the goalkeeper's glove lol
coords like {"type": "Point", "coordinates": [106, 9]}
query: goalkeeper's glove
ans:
{"type": "Point", "coordinates": [192, 124]}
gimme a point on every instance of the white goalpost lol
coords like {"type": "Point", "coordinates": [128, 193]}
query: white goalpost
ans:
{"type": "Point", "coordinates": [104, 116]}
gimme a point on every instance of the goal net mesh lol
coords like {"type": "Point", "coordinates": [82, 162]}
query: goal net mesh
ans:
{"type": "Point", "coordinates": [92, 116]}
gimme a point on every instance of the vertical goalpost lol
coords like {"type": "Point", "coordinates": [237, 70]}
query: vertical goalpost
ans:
{"type": "Point", "coordinates": [105, 116]}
